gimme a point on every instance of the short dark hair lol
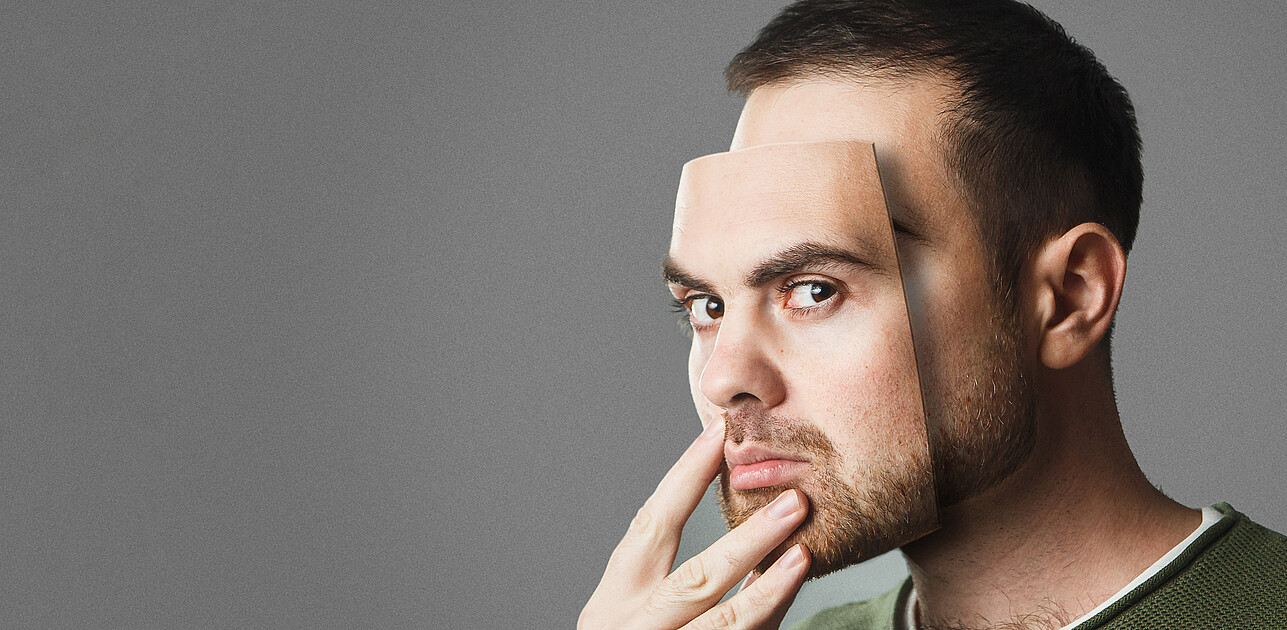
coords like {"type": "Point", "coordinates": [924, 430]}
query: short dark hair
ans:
{"type": "Point", "coordinates": [1041, 136]}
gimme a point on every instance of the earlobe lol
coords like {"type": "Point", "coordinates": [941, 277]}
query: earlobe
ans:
{"type": "Point", "coordinates": [1075, 283]}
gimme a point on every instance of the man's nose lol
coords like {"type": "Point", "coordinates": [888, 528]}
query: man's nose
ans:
{"type": "Point", "coordinates": [741, 366]}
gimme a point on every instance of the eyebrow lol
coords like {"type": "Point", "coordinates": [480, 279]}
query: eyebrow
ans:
{"type": "Point", "coordinates": [803, 257]}
{"type": "Point", "coordinates": [674, 274]}
{"type": "Point", "coordinates": [795, 259]}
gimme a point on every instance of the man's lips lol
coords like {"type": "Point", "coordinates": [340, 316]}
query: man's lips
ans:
{"type": "Point", "coordinates": [757, 466]}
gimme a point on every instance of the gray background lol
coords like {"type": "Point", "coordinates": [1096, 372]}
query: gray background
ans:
{"type": "Point", "coordinates": [318, 315]}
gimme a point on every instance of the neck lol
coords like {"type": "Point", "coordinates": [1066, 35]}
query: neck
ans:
{"type": "Point", "coordinates": [1076, 523]}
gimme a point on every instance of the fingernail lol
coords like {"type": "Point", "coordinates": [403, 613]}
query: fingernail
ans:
{"type": "Point", "coordinates": [785, 505]}
{"type": "Point", "coordinates": [793, 557]}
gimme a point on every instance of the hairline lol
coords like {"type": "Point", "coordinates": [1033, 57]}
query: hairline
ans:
{"type": "Point", "coordinates": [947, 143]}
{"type": "Point", "coordinates": [1004, 280]}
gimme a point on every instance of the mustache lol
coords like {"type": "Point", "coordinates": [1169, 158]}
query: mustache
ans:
{"type": "Point", "coordinates": [797, 437]}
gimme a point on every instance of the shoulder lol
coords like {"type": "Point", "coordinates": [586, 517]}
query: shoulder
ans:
{"type": "Point", "coordinates": [878, 613]}
{"type": "Point", "coordinates": [1233, 576]}
{"type": "Point", "coordinates": [1248, 563]}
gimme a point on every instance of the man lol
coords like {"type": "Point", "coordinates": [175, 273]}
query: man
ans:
{"type": "Point", "coordinates": [1010, 162]}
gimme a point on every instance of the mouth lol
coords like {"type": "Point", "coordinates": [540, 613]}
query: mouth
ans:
{"type": "Point", "coordinates": [753, 466]}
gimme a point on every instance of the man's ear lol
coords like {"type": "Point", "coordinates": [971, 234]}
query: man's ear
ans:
{"type": "Point", "coordinates": [1074, 285]}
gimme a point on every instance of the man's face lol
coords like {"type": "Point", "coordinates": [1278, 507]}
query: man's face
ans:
{"type": "Point", "coordinates": [784, 257]}
{"type": "Point", "coordinates": [830, 387]}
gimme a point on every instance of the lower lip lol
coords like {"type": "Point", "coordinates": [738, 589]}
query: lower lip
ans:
{"type": "Point", "coordinates": [770, 472]}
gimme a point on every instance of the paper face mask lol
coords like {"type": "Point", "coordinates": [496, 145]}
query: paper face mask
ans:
{"type": "Point", "coordinates": [784, 257]}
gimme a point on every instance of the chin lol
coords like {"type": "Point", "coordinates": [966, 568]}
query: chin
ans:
{"type": "Point", "coordinates": [845, 526]}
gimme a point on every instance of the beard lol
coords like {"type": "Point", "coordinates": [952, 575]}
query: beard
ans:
{"type": "Point", "coordinates": [980, 428]}
{"type": "Point", "coordinates": [847, 522]}
{"type": "Point", "coordinates": [982, 424]}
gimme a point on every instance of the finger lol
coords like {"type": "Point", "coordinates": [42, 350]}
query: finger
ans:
{"type": "Point", "coordinates": [700, 582]}
{"type": "Point", "coordinates": [647, 551]}
{"type": "Point", "coordinates": [764, 603]}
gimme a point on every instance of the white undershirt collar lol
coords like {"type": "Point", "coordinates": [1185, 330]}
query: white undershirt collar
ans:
{"type": "Point", "coordinates": [1209, 517]}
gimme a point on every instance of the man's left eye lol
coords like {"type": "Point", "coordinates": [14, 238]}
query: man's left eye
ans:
{"type": "Point", "coordinates": [806, 294]}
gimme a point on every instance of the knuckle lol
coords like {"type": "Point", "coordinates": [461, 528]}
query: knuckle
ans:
{"type": "Point", "coordinates": [731, 557]}
{"type": "Point", "coordinates": [691, 577]}
{"type": "Point", "coordinates": [586, 620]}
{"type": "Point", "coordinates": [723, 617]}
{"type": "Point", "coordinates": [757, 598]}
{"type": "Point", "coordinates": [645, 525]}
{"type": "Point", "coordinates": [596, 618]}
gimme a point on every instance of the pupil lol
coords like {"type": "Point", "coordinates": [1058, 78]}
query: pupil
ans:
{"type": "Point", "coordinates": [821, 292]}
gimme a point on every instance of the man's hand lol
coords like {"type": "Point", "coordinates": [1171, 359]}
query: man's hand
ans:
{"type": "Point", "coordinates": [638, 591]}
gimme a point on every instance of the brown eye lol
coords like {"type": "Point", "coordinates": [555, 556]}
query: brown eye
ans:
{"type": "Point", "coordinates": [806, 294]}
{"type": "Point", "coordinates": [705, 310]}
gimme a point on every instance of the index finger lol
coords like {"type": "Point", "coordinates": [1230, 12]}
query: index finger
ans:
{"type": "Point", "coordinates": [648, 549]}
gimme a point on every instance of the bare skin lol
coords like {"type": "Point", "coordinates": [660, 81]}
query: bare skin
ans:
{"type": "Point", "coordinates": [1066, 532]}
{"type": "Point", "coordinates": [784, 258]}
{"type": "Point", "coordinates": [1069, 528]}
{"type": "Point", "coordinates": [639, 591]}
{"type": "Point", "coordinates": [1079, 520]}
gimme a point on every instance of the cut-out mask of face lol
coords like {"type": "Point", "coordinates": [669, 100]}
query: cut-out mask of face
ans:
{"type": "Point", "coordinates": [784, 259]}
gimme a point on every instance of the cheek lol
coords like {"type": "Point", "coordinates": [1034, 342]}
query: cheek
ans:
{"type": "Point", "coordinates": [949, 292]}
{"type": "Point", "coordinates": [858, 380]}
{"type": "Point", "coordinates": [952, 284]}
{"type": "Point", "coordinates": [958, 313]}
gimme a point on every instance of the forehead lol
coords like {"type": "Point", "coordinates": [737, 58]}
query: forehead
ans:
{"type": "Point", "coordinates": [734, 208]}
{"type": "Point", "coordinates": [904, 118]}
{"type": "Point", "coordinates": [903, 114]}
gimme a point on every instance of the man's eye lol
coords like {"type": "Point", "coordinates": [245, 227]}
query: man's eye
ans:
{"type": "Point", "coordinates": [806, 294]}
{"type": "Point", "coordinates": [705, 310]}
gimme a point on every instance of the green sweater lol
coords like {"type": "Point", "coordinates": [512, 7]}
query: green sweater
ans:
{"type": "Point", "coordinates": [1233, 576]}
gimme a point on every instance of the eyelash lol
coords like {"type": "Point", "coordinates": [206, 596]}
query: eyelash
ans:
{"type": "Point", "coordinates": [786, 288]}
{"type": "Point", "coordinates": [790, 286]}
{"type": "Point", "coordinates": [680, 306]}
{"type": "Point", "coordinates": [685, 318]}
